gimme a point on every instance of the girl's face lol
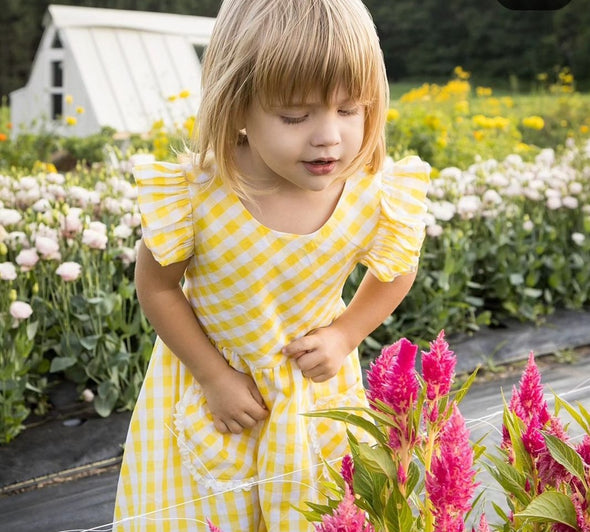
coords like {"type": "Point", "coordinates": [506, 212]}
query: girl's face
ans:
{"type": "Point", "coordinates": [305, 146]}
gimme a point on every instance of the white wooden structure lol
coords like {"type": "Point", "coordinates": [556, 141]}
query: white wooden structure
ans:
{"type": "Point", "coordinates": [111, 67]}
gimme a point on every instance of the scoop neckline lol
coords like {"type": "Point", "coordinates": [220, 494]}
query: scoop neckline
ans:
{"type": "Point", "coordinates": [285, 234]}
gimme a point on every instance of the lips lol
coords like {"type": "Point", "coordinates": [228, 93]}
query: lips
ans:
{"type": "Point", "coordinates": [320, 166]}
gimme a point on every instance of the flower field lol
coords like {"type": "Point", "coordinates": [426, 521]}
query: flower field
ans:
{"type": "Point", "coordinates": [508, 226]}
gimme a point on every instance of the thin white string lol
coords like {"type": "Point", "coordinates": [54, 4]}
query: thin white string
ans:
{"type": "Point", "coordinates": [484, 420]}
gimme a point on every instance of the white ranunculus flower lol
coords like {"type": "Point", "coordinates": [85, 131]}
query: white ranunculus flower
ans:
{"type": "Point", "coordinates": [27, 258]}
{"type": "Point", "coordinates": [434, 230]}
{"type": "Point", "coordinates": [93, 239]}
{"type": "Point", "coordinates": [578, 238]}
{"type": "Point", "coordinates": [468, 206]}
{"type": "Point", "coordinates": [7, 271]}
{"type": "Point", "coordinates": [553, 202]}
{"type": "Point", "coordinates": [570, 202]}
{"type": "Point", "coordinates": [69, 271]}
{"type": "Point", "coordinates": [20, 310]}
{"type": "Point", "coordinates": [48, 247]}
{"type": "Point", "coordinates": [9, 217]}
{"type": "Point", "coordinates": [528, 226]}
{"type": "Point", "coordinates": [442, 210]}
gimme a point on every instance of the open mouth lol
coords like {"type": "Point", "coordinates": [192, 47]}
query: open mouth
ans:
{"type": "Point", "coordinates": [320, 166]}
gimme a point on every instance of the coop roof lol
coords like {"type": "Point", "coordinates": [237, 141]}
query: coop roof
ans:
{"type": "Point", "coordinates": [131, 63]}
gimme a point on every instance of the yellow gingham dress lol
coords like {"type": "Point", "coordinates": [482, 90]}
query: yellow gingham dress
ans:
{"type": "Point", "coordinates": [253, 290]}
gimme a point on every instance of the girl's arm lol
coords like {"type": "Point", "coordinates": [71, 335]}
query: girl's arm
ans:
{"type": "Point", "coordinates": [166, 307]}
{"type": "Point", "coordinates": [321, 352]}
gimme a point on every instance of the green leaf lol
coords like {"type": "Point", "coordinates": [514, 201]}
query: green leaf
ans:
{"type": "Point", "coordinates": [582, 418]}
{"type": "Point", "coordinates": [565, 455]}
{"type": "Point", "coordinates": [377, 459]}
{"type": "Point", "coordinates": [551, 506]}
{"type": "Point", "coordinates": [89, 342]}
{"type": "Point", "coordinates": [353, 419]}
{"type": "Point", "coordinates": [61, 363]}
{"type": "Point", "coordinates": [509, 478]}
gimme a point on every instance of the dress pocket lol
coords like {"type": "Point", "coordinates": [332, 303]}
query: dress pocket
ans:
{"type": "Point", "coordinates": [215, 460]}
{"type": "Point", "coordinates": [328, 436]}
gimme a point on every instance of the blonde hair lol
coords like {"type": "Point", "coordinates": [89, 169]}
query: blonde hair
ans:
{"type": "Point", "coordinates": [282, 51]}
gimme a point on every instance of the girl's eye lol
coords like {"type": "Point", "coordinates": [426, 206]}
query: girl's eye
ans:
{"type": "Point", "coordinates": [293, 119]}
{"type": "Point", "coordinates": [350, 111]}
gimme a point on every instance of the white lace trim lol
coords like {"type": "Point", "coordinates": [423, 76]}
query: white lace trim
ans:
{"type": "Point", "coordinates": [189, 458]}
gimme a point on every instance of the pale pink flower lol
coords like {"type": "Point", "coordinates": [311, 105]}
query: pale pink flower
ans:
{"type": "Point", "coordinates": [570, 202]}
{"type": "Point", "coordinates": [97, 226]}
{"type": "Point", "coordinates": [9, 216]}
{"type": "Point", "coordinates": [93, 239]}
{"type": "Point", "coordinates": [20, 310]}
{"type": "Point", "coordinates": [48, 247]}
{"type": "Point", "coordinates": [434, 231]}
{"type": "Point", "coordinates": [27, 258]}
{"type": "Point", "coordinates": [122, 231]}
{"type": "Point", "coordinates": [7, 271]}
{"type": "Point", "coordinates": [347, 517]}
{"type": "Point", "coordinates": [69, 271]}
{"type": "Point", "coordinates": [71, 223]}
{"type": "Point", "coordinates": [450, 483]}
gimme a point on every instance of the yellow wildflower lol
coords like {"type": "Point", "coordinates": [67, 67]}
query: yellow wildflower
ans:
{"type": "Point", "coordinates": [533, 122]}
{"type": "Point", "coordinates": [71, 120]}
{"type": "Point", "coordinates": [392, 115]}
{"type": "Point", "coordinates": [522, 147]}
{"type": "Point", "coordinates": [69, 99]}
{"type": "Point", "coordinates": [584, 129]}
{"type": "Point", "coordinates": [460, 73]}
{"type": "Point", "coordinates": [184, 94]}
{"type": "Point", "coordinates": [172, 97]}
{"type": "Point", "coordinates": [80, 109]}
{"type": "Point", "coordinates": [462, 106]}
{"type": "Point", "coordinates": [478, 135]}
{"type": "Point", "coordinates": [483, 91]}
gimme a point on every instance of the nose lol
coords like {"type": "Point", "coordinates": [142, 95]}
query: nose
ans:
{"type": "Point", "coordinates": [326, 132]}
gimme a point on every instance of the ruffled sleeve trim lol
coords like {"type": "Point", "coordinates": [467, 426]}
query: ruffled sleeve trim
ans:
{"type": "Point", "coordinates": [166, 210]}
{"type": "Point", "coordinates": [401, 227]}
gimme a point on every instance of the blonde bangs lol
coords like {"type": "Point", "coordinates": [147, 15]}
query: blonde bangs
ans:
{"type": "Point", "coordinates": [284, 52]}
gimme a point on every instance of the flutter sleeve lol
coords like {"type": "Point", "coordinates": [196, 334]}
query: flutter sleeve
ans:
{"type": "Point", "coordinates": [400, 230]}
{"type": "Point", "coordinates": [166, 211]}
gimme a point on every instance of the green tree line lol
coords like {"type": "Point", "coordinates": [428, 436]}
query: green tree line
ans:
{"type": "Point", "coordinates": [421, 39]}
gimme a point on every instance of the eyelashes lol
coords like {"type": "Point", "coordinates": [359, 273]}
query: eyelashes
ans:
{"type": "Point", "coordinates": [298, 119]}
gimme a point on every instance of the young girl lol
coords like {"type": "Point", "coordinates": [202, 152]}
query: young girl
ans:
{"type": "Point", "coordinates": [287, 196]}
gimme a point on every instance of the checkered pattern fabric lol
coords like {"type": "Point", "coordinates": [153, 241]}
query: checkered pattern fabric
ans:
{"type": "Point", "coordinates": [254, 289]}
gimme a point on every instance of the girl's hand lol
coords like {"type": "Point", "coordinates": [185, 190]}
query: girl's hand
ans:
{"type": "Point", "coordinates": [234, 401]}
{"type": "Point", "coordinates": [321, 353]}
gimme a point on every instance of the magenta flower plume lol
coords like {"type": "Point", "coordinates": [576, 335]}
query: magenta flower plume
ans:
{"type": "Point", "coordinates": [392, 377]}
{"type": "Point", "coordinates": [531, 403]}
{"type": "Point", "coordinates": [347, 517]}
{"type": "Point", "coordinates": [347, 471]}
{"type": "Point", "coordinates": [212, 527]}
{"type": "Point", "coordinates": [583, 449]}
{"type": "Point", "coordinates": [483, 525]}
{"type": "Point", "coordinates": [438, 367]}
{"type": "Point", "coordinates": [450, 483]}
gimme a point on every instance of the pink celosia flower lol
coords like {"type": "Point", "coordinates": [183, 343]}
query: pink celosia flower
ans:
{"type": "Point", "coordinates": [438, 366]}
{"type": "Point", "coordinates": [393, 380]}
{"type": "Point", "coordinates": [450, 481]}
{"type": "Point", "coordinates": [483, 524]}
{"type": "Point", "coordinates": [20, 310]}
{"type": "Point", "coordinates": [583, 449]}
{"type": "Point", "coordinates": [212, 527]}
{"type": "Point", "coordinates": [347, 471]}
{"type": "Point", "coordinates": [347, 517]}
{"type": "Point", "coordinates": [531, 402]}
